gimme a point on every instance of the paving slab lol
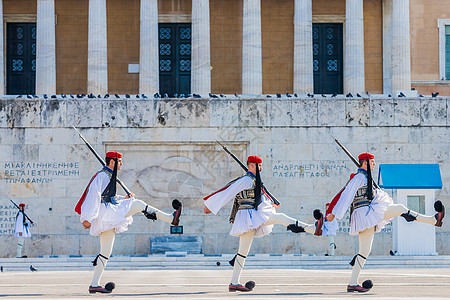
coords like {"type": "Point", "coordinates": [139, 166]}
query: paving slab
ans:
{"type": "Point", "coordinates": [424, 283]}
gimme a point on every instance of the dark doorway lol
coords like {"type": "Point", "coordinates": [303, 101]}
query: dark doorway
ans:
{"type": "Point", "coordinates": [21, 58]}
{"type": "Point", "coordinates": [174, 58]}
{"type": "Point", "coordinates": [327, 58]}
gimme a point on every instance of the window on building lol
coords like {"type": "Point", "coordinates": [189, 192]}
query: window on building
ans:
{"type": "Point", "coordinates": [416, 203]}
{"type": "Point", "coordinates": [447, 51]}
{"type": "Point", "coordinates": [444, 49]}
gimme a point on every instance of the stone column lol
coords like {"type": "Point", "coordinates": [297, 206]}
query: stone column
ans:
{"type": "Point", "coordinates": [200, 54]}
{"type": "Point", "coordinates": [303, 54]}
{"type": "Point", "coordinates": [149, 48]}
{"type": "Point", "coordinates": [2, 59]}
{"type": "Point", "coordinates": [251, 48]}
{"type": "Point", "coordinates": [401, 52]}
{"type": "Point", "coordinates": [97, 48]}
{"type": "Point", "coordinates": [45, 48]}
{"type": "Point", "coordinates": [387, 45]}
{"type": "Point", "coordinates": [354, 47]}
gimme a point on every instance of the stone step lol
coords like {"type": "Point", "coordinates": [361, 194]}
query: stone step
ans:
{"type": "Point", "coordinates": [258, 261]}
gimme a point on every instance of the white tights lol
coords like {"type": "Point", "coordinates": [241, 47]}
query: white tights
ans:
{"type": "Point", "coordinates": [107, 237]}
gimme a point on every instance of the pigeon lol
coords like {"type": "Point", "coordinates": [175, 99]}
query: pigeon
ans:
{"type": "Point", "coordinates": [334, 95]}
{"type": "Point", "coordinates": [117, 96]}
{"type": "Point", "coordinates": [295, 95]}
{"type": "Point", "coordinates": [29, 97]}
{"type": "Point", "coordinates": [358, 95]}
{"type": "Point", "coordinates": [36, 96]}
{"type": "Point", "coordinates": [367, 93]}
{"type": "Point", "coordinates": [32, 269]}
{"type": "Point", "coordinates": [434, 95]}
{"type": "Point", "coordinates": [45, 96]}
{"type": "Point", "coordinates": [20, 96]}
{"type": "Point", "coordinates": [127, 96]}
{"type": "Point", "coordinates": [421, 96]}
{"type": "Point", "coordinates": [144, 96]}
{"type": "Point", "coordinates": [324, 96]}
{"type": "Point", "coordinates": [236, 95]}
{"type": "Point", "coordinates": [137, 96]}
{"type": "Point", "coordinates": [268, 96]}
{"type": "Point", "coordinates": [278, 95]}
{"type": "Point", "coordinates": [156, 95]}
{"type": "Point", "coordinates": [99, 96]}
{"type": "Point", "coordinates": [71, 96]}
{"type": "Point", "coordinates": [196, 96]}
{"type": "Point", "coordinates": [53, 97]}
{"type": "Point", "coordinates": [166, 95]}
{"type": "Point", "coordinates": [106, 96]}
{"type": "Point", "coordinates": [288, 95]}
{"type": "Point", "coordinates": [389, 95]}
{"type": "Point", "coordinates": [91, 96]}
{"type": "Point", "coordinates": [401, 95]}
{"type": "Point", "coordinates": [349, 95]}
{"type": "Point", "coordinates": [212, 95]}
{"type": "Point", "coordinates": [311, 95]}
{"type": "Point", "coordinates": [63, 96]}
{"type": "Point", "coordinates": [222, 96]}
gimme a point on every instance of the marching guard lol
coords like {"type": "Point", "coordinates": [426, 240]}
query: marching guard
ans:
{"type": "Point", "coordinates": [104, 213]}
{"type": "Point", "coordinates": [370, 210]}
{"type": "Point", "coordinates": [253, 215]}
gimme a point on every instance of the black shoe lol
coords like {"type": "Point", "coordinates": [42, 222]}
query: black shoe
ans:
{"type": "Point", "coordinates": [178, 206]}
{"type": "Point", "coordinates": [439, 207]}
{"type": "Point", "coordinates": [295, 228]}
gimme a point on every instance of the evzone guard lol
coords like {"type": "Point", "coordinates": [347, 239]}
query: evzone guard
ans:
{"type": "Point", "coordinates": [22, 230]}
{"type": "Point", "coordinates": [370, 210]}
{"type": "Point", "coordinates": [253, 215]}
{"type": "Point", "coordinates": [104, 213]}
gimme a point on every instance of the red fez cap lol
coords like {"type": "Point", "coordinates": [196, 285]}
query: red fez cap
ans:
{"type": "Point", "coordinates": [113, 154]}
{"type": "Point", "coordinates": [366, 155]}
{"type": "Point", "coordinates": [21, 204]}
{"type": "Point", "coordinates": [254, 159]}
{"type": "Point", "coordinates": [328, 204]}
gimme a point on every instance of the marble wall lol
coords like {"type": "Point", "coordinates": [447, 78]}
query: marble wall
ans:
{"type": "Point", "coordinates": [170, 152]}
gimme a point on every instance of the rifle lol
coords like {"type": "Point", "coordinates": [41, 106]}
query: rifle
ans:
{"type": "Point", "coordinates": [275, 200]}
{"type": "Point", "coordinates": [354, 160]}
{"type": "Point", "coordinates": [22, 212]}
{"type": "Point", "coordinates": [100, 159]}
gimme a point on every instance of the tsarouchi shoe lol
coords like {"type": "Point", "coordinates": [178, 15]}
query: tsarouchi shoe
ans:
{"type": "Point", "coordinates": [357, 288]}
{"type": "Point", "coordinates": [98, 289]}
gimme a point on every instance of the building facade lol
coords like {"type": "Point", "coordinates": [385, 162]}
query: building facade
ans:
{"type": "Point", "coordinates": [248, 47]}
{"type": "Point", "coordinates": [225, 46]}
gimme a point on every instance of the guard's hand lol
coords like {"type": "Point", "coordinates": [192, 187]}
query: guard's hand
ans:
{"type": "Point", "coordinates": [330, 217]}
{"type": "Point", "coordinates": [206, 210]}
{"type": "Point", "coordinates": [131, 195]}
{"type": "Point", "coordinates": [86, 224]}
{"type": "Point", "coordinates": [32, 223]}
{"type": "Point", "coordinates": [277, 206]}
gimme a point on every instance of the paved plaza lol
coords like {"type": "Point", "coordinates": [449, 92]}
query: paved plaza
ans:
{"type": "Point", "coordinates": [411, 283]}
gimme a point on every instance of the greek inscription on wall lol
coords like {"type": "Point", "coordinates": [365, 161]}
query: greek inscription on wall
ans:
{"type": "Point", "coordinates": [39, 172]}
{"type": "Point", "coordinates": [309, 169]}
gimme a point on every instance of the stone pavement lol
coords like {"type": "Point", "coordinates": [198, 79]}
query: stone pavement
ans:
{"type": "Point", "coordinates": [398, 283]}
